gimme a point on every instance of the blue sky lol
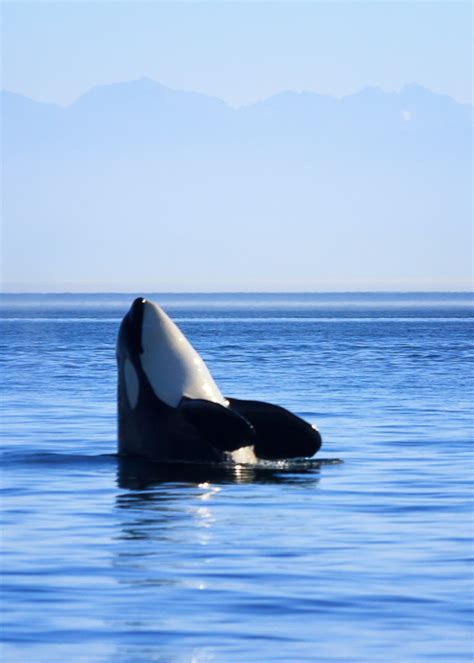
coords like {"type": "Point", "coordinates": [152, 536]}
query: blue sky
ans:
{"type": "Point", "coordinates": [330, 212]}
{"type": "Point", "coordinates": [240, 52]}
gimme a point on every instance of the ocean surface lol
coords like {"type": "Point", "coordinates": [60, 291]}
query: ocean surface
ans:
{"type": "Point", "coordinates": [366, 560]}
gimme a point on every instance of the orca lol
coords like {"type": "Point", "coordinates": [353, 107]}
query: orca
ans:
{"type": "Point", "coordinates": [171, 410]}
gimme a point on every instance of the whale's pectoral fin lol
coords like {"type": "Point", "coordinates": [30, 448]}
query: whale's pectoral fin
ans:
{"type": "Point", "coordinates": [225, 429]}
{"type": "Point", "coordinates": [279, 433]}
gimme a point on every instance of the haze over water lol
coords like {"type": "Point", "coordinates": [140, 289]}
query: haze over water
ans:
{"type": "Point", "coordinates": [365, 560]}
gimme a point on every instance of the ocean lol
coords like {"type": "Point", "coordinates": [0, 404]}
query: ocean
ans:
{"type": "Point", "coordinates": [364, 560]}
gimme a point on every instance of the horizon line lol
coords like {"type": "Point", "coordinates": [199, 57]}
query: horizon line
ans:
{"type": "Point", "coordinates": [242, 292]}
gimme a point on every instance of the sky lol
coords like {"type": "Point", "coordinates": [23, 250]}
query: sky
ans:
{"type": "Point", "coordinates": [239, 52]}
{"type": "Point", "coordinates": [365, 226]}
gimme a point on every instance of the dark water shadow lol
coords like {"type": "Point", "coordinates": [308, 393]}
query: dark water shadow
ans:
{"type": "Point", "coordinates": [139, 474]}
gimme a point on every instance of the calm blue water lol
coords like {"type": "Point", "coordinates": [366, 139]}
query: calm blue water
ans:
{"type": "Point", "coordinates": [367, 560]}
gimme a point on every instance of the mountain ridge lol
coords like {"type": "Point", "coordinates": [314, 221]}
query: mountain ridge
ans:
{"type": "Point", "coordinates": [145, 115]}
{"type": "Point", "coordinates": [154, 85]}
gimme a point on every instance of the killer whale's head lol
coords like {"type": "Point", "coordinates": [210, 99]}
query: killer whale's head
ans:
{"type": "Point", "coordinates": [168, 402]}
{"type": "Point", "coordinates": [151, 342]}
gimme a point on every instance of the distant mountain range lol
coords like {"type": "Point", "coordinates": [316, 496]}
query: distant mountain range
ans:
{"type": "Point", "coordinates": [146, 115]}
{"type": "Point", "coordinates": [136, 184]}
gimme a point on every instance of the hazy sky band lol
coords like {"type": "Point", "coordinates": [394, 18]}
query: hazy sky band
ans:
{"type": "Point", "coordinates": [239, 52]}
{"type": "Point", "coordinates": [137, 187]}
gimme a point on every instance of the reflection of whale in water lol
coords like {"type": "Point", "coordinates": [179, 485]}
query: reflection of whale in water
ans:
{"type": "Point", "coordinates": [158, 495]}
{"type": "Point", "coordinates": [170, 408]}
{"type": "Point", "coordinates": [138, 474]}
{"type": "Point", "coordinates": [192, 537]}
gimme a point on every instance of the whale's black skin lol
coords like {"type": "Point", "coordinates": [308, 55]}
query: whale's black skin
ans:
{"type": "Point", "coordinates": [195, 429]}
{"type": "Point", "coordinates": [279, 433]}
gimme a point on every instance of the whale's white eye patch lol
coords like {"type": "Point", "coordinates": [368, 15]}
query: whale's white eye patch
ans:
{"type": "Point", "coordinates": [131, 383]}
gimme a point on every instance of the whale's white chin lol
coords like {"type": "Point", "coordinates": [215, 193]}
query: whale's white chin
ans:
{"type": "Point", "coordinates": [171, 364]}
